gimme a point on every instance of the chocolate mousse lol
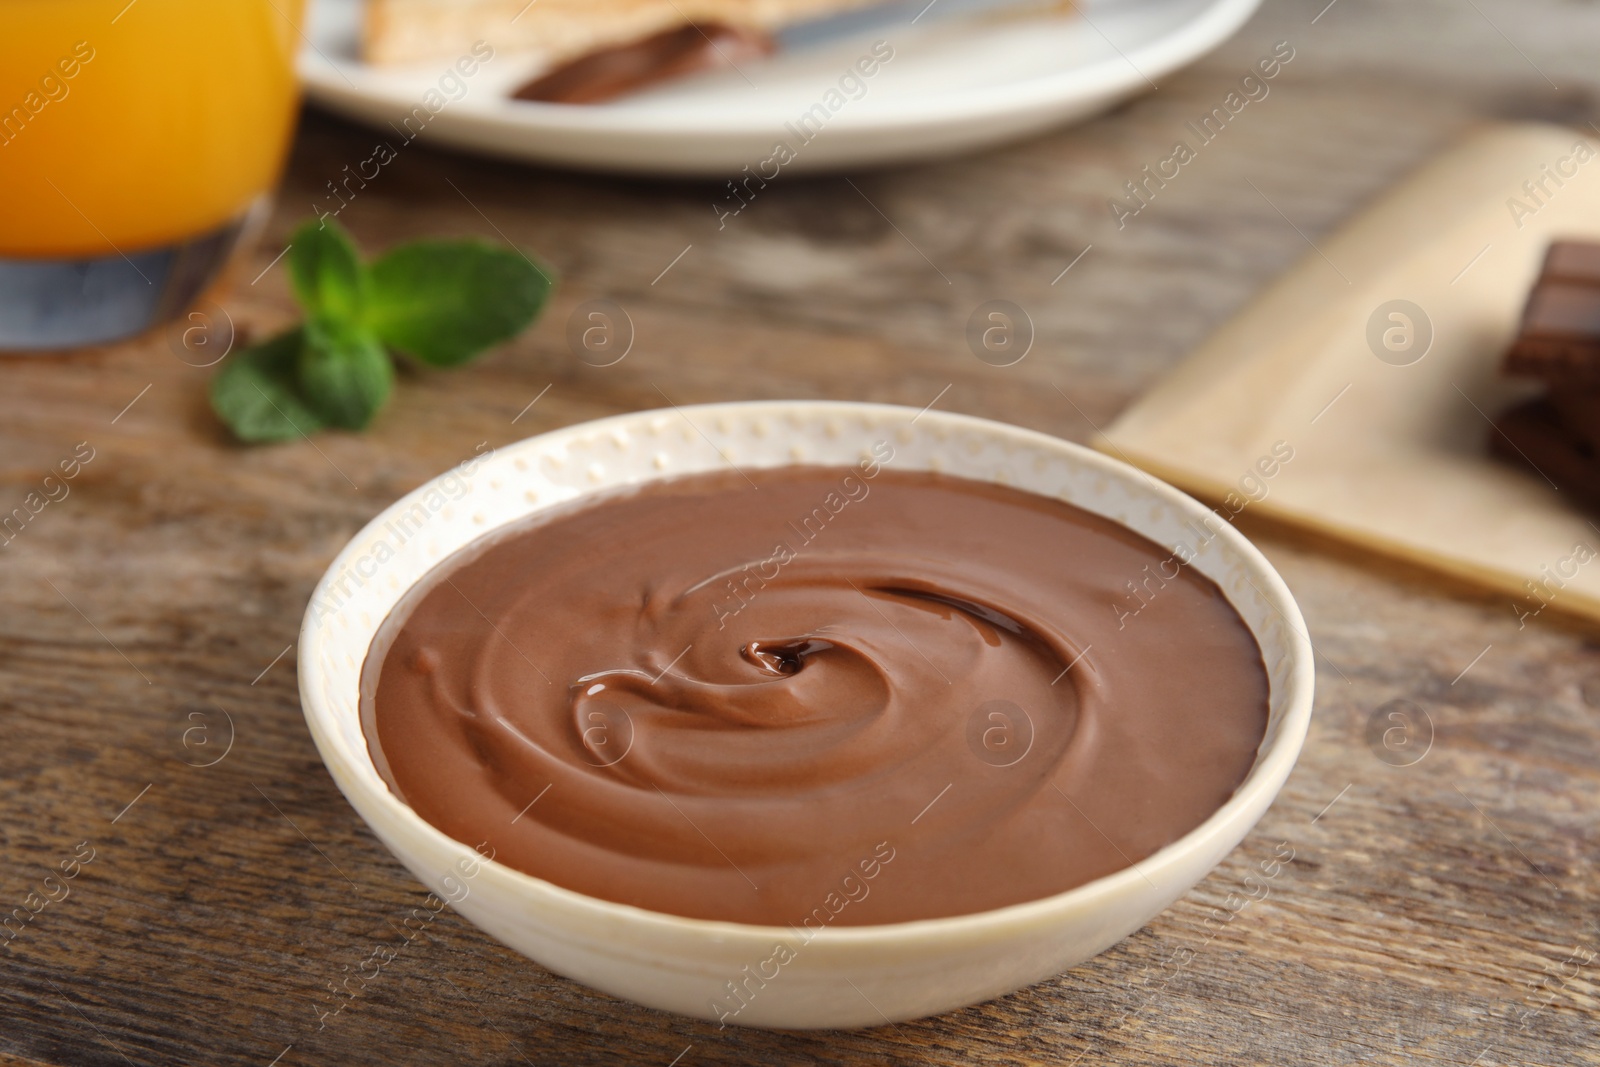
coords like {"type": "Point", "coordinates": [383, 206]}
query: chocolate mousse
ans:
{"type": "Point", "coordinates": [815, 696]}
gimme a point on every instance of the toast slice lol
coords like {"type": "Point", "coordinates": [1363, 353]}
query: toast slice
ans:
{"type": "Point", "coordinates": [399, 32]}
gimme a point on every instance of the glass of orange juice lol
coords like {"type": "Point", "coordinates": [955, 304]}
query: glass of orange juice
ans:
{"type": "Point", "coordinates": [139, 141]}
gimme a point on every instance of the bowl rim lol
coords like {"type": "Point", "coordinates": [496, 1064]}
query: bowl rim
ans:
{"type": "Point", "coordinates": [1274, 760]}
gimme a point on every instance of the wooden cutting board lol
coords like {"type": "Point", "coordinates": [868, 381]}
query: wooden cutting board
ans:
{"type": "Point", "coordinates": [1355, 395]}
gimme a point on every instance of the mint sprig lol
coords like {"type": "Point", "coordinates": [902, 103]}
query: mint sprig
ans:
{"type": "Point", "coordinates": [440, 302]}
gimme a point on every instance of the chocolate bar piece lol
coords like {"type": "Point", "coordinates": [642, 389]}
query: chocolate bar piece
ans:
{"type": "Point", "coordinates": [1572, 261]}
{"type": "Point", "coordinates": [1579, 412]}
{"type": "Point", "coordinates": [1534, 434]}
{"type": "Point", "coordinates": [1558, 434]}
{"type": "Point", "coordinates": [1559, 339]}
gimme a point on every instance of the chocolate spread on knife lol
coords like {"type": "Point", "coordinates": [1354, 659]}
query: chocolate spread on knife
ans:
{"type": "Point", "coordinates": [608, 73]}
{"type": "Point", "coordinates": [831, 696]}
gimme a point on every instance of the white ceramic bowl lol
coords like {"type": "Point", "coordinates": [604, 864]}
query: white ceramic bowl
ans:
{"type": "Point", "coordinates": [842, 976]}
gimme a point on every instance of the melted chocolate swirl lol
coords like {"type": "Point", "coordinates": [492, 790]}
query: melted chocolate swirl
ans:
{"type": "Point", "coordinates": [718, 708]}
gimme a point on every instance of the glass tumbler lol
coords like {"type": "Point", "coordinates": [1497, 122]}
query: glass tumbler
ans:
{"type": "Point", "coordinates": [139, 142]}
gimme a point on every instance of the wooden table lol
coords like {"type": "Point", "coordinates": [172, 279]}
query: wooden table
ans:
{"type": "Point", "coordinates": [1441, 912]}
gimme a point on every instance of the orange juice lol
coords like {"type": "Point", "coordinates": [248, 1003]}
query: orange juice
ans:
{"type": "Point", "coordinates": [127, 127]}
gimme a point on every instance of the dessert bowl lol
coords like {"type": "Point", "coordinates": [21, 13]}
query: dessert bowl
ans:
{"type": "Point", "coordinates": [782, 976]}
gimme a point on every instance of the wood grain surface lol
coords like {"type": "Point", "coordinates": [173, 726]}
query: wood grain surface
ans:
{"type": "Point", "coordinates": [1442, 911]}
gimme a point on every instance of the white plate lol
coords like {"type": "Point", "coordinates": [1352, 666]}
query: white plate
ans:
{"type": "Point", "coordinates": [956, 83]}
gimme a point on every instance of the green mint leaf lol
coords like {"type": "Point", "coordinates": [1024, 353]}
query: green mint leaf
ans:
{"type": "Point", "coordinates": [326, 271]}
{"type": "Point", "coordinates": [255, 392]}
{"type": "Point", "coordinates": [445, 302]}
{"type": "Point", "coordinates": [343, 372]}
